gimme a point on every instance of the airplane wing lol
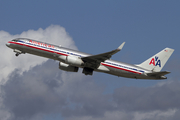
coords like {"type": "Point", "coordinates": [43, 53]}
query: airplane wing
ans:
{"type": "Point", "coordinates": [93, 61]}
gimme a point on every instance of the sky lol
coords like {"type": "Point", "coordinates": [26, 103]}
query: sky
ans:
{"type": "Point", "coordinates": [33, 88]}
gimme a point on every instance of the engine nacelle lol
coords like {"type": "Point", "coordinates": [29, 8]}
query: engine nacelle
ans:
{"type": "Point", "coordinates": [72, 60]}
{"type": "Point", "coordinates": [66, 67]}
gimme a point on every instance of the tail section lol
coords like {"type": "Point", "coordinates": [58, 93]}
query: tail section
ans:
{"type": "Point", "coordinates": [157, 62]}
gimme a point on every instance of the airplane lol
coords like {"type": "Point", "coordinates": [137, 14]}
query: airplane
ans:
{"type": "Point", "coordinates": [71, 60]}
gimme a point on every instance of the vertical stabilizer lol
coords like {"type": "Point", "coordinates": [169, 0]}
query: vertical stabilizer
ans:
{"type": "Point", "coordinates": [157, 62]}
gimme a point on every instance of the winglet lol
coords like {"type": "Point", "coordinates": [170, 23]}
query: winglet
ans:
{"type": "Point", "coordinates": [121, 46]}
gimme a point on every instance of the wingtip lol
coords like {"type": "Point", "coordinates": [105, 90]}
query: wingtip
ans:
{"type": "Point", "coordinates": [121, 46]}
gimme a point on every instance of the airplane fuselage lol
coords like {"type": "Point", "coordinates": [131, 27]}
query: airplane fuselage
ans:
{"type": "Point", "coordinates": [70, 60]}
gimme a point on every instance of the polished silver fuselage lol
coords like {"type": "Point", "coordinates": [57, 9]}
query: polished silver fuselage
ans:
{"type": "Point", "coordinates": [54, 52]}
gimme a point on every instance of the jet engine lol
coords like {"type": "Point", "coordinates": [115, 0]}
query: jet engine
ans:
{"type": "Point", "coordinates": [66, 67]}
{"type": "Point", "coordinates": [72, 60]}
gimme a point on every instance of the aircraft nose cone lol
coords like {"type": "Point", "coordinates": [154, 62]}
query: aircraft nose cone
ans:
{"type": "Point", "coordinates": [8, 44]}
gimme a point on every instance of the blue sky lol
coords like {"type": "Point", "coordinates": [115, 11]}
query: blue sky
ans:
{"type": "Point", "coordinates": [102, 25]}
{"type": "Point", "coordinates": [97, 26]}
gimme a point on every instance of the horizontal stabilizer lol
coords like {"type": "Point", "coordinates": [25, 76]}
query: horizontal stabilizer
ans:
{"type": "Point", "coordinates": [162, 73]}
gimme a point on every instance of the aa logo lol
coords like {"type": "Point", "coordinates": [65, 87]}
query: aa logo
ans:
{"type": "Point", "coordinates": [155, 62]}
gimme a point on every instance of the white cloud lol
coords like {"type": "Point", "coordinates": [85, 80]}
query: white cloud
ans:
{"type": "Point", "coordinates": [155, 115]}
{"type": "Point", "coordinates": [54, 34]}
{"type": "Point", "coordinates": [51, 92]}
{"type": "Point", "coordinates": [4, 113]}
{"type": "Point", "coordinates": [43, 90]}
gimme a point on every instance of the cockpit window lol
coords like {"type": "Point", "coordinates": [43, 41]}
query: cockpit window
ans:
{"type": "Point", "coordinates": [15, 40]}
